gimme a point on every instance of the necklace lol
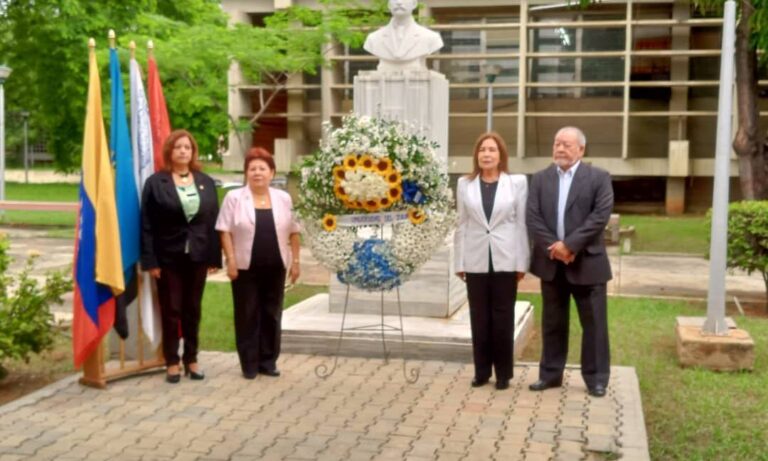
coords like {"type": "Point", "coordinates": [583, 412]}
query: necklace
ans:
{"type": "Point", "coordinates": [261, 200]}
{"type": "Point", "coordinates": [184, 177]}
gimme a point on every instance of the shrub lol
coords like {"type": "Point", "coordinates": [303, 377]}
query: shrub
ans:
{"type": "Point", "coordinates": [26, 323]}
{"type": "Point", "coordinates": [748, 237]}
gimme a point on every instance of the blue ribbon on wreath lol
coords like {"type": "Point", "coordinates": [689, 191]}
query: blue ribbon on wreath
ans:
{"type": "Point", "coordinates": [370, 267]}
{"type": "Point", "coordinates": [412, 193]}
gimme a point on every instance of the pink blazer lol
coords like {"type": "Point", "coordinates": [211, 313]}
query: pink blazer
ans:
{"type": "Point", "coordinates": [238, 218]}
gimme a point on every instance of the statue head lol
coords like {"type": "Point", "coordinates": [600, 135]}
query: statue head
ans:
{"type": "Point", "coordinates": [402, 8]}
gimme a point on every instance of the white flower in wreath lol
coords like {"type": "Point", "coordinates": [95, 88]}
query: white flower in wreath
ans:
{"type": "Point", "coordinates": [364, 185]}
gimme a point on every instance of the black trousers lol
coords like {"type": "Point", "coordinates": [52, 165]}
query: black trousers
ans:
{"type": "Point", "coordinates": [492, 299]}
{"type": "Point", "coordinates": [180, 292]}
{"type": "Point", "coordinates": [258, 298]}
{"type": "Point", "coordinates": [591, 303]}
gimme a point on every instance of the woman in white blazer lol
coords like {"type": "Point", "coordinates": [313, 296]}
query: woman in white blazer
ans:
{"type": "Point", "coordinates": [491, 255]}
{"type": "Point", "coordinates": [260, 238]}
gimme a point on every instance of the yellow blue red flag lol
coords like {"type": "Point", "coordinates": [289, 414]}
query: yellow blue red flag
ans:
{"type": "Point", "coordinates": [98, 267]}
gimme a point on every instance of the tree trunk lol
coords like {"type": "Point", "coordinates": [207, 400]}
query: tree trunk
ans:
{"type": "Point", "coordinates": [765, 280]}
{"type": "Point", "coordinates": [749, 142]}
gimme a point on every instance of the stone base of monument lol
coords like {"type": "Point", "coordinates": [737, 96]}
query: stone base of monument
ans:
{"type": "Point", "coordinates": [734, 352]}
{"type": "Point", "coordinates": [311, 328]}
{"type": "Point", "coordinates": [417, 97]}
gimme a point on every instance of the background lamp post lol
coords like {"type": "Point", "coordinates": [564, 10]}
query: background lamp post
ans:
{"type": "Point", "coordinates": [5, 71]}
{"type": "Point", "coordinates": [25, 118]}
{"type": "Point", "coordinates": [491, 72]}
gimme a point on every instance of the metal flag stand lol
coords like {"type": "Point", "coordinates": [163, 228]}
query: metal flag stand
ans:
{"type": "Point", "coordinates": [410, 375]}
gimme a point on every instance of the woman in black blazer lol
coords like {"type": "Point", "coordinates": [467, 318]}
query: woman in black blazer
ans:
{"type": "Point", "coordinates": [179, 246]}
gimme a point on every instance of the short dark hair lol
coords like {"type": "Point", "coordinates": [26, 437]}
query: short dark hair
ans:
{"type": "Point", "coordinates": [259, 153]}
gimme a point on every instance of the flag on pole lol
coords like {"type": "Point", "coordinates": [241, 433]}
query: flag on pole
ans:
{"type": "Point", "coordinates": [98, 267]}
{"type": "Point", "coordinates": [143, 163]}
{"type": "Point", "coordinates": [126, 196]}
{"type": "Point", "coordinates": [158, 112]}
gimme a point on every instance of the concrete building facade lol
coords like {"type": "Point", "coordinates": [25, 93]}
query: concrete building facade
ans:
{"type": "Point", "coordinates": [640, 78]}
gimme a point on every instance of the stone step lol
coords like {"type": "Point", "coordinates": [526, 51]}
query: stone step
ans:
{"type": "Point", "coordinates": [309, 327]}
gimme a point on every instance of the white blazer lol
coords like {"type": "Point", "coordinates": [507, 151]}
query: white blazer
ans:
{"type": "Point", "coordinates": [505, 233]}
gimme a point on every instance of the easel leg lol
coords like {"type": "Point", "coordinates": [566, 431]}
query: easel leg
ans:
{"type": "Point", "coordinates": [322, 370]}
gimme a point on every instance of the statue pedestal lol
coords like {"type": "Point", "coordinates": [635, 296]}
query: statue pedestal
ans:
{"type": "Point", "coordinates": [420, 98]}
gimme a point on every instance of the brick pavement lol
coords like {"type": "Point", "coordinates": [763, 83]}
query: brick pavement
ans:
{"type": "Point", "coordinates": [364, 411]}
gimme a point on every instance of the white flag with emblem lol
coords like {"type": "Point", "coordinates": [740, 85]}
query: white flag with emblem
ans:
{"type": "Point", "coordinates": [141, 138]}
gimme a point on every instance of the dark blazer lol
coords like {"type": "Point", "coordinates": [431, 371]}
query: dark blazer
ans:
{"type": "Point", "coordinates": [589, 206]}
{"type": "Point", "coordinates": [165, 230]}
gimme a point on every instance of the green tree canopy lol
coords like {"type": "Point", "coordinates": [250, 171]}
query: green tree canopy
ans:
{"type": "Point", "coordinates": [45, 42]}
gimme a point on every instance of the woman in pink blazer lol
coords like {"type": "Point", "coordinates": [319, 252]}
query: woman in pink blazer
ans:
{"type": "Point", "coordinates": [260, 239]}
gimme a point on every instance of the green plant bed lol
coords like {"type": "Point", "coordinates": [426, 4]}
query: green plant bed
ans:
{"type": "Point", "coordinates": [217, 328]}
{"type": "Point", "coordinates": [690, 414]}
{"type": "Point", "coordinates": [668, 234]}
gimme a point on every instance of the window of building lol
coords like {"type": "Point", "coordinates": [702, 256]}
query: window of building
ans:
{"type": "Point", "coordinates": [609, 69]}
{"type": "Point", "coordinates": [351, 68]}
{"type": "Point", "coordinates": [488, 42]}
{"type": "Point", "coordinates": [553, 69]}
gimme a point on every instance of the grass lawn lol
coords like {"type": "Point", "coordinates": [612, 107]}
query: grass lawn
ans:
{"type": "Point", "coordinates": [55, 192]}
{"type": "Point", "coordinates": [665, 234]}
{"type": "Point", "coordinates": [690, 414]}
{"type": "Point", "coordinates": [217, 331]}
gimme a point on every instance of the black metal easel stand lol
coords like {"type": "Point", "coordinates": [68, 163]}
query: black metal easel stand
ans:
{"type": "Point", "coordinates": [410, 376]}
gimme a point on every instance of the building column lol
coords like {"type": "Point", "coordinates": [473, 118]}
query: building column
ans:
{"type": "Point", "coordinates": [675, 196]}
{"type": "Point", "coordinates": [678, 126]}
{"type": "Point", "coordinates": [288, 150]}
{"type": "Point", "coordinates": [330, 99]}
{"type": "Point", "coordinates": [238, 105]}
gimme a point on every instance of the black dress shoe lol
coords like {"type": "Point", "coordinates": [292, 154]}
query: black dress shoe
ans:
{"type": "Point", "coordinates": [274, 372]}
{"type": "Point", "coordinates": [541, 385]}
{"type": "Point", "coordinates": [249, 375]}
{"type": "Point", "coordinates": [194, 375]}
{"type": "Point", "coordinates": [173, 379]}
{"type": "Point", "coordinates": [597, 391]}
{"type": "Point", "coordinates": [477, 382]}
{"type": "Point", "coordinates": [502, 384]}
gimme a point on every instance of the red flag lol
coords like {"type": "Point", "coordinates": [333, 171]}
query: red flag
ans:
{"type": "Point", "coordinates": [158, 112]}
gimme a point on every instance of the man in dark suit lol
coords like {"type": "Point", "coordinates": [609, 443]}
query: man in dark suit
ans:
{"type": "Point", "coordinates": [569, 204]}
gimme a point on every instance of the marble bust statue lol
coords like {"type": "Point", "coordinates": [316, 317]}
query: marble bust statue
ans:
{"type": "Point", "coordinates": [402, 44]}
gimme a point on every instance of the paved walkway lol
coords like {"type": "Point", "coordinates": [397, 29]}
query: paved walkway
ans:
{"type": "Point", "coordinates": [365, 410]}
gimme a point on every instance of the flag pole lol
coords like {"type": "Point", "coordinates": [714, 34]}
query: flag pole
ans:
{"type": "Point", "coordinates": [96, 372]}
{"type": "Point", "coordinates": [132, 47]}
{"type": "Point", "coordinates": [92, 370]}
{"type": "Point", "coordinates": [112, 38]}
{"type": "Point", "coordinates": [150, 49]}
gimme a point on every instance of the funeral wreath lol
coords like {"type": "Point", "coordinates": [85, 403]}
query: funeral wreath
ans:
{"type": "Point", "coordinates": [374, 202]}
